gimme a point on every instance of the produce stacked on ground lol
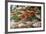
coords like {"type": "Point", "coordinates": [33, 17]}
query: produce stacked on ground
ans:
{"type": "Point", "coordinates": [25, 16]}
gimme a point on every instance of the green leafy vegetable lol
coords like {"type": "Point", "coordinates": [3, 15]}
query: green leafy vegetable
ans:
{"type": "Point", "coordinates": [16, 18]}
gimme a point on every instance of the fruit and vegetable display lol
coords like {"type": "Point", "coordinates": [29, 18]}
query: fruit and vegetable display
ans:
{"type": "Point", "coordinates": [25, 16]}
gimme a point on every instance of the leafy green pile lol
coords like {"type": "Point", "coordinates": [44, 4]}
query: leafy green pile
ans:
{"type": "Point", "coordinates": [16, 17]}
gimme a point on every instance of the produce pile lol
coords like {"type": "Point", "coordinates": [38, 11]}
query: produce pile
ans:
{"type": "Point", "coordinates": [25, 16]}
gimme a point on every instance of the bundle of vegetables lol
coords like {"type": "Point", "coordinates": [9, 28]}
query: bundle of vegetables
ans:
{"type": "Point", "coordinates": [15, 16]}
